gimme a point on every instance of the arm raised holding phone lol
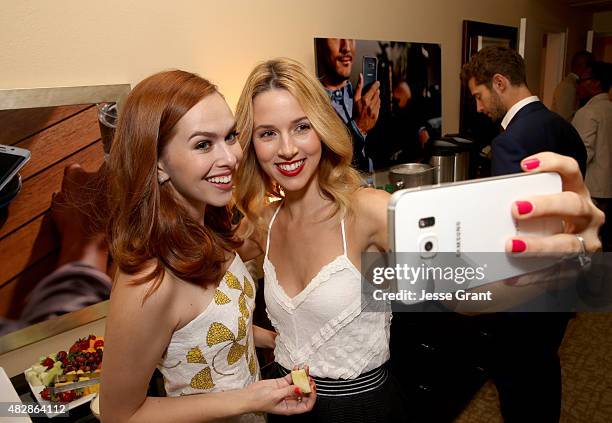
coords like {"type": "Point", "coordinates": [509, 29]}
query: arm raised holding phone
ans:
{"type": "Point", "coordinates": [541, 230]}
{"type": "Point", "coordinates": [572, 206]}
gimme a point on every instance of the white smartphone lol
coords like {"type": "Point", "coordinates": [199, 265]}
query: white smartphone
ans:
{"type": "Point", "coordinates": [469, 222]}
{"type": "Point", "coordinates": [11, 160]}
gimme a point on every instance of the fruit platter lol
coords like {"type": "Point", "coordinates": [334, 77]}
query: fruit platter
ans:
{"type": "Point", "coordinates": [51, 376]}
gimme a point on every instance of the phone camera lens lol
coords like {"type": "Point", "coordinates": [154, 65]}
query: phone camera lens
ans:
{"type": "Point", "coordinates": [427, 245]}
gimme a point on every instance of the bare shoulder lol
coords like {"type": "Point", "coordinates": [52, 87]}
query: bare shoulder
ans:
{"type": "Point", "coordinates": [370, 217]}
{"type": "Point", "coordinates": [145, 299]}
{"type": "Point", "coordinates": [266, 215]}
{"type": "Point", "coordinates": [270, 209]}
{"type": "Point", "coordinates": [139, 328]}
{"type": "Point", "coordinates": [371, 204]}
{"type": "Point", "coordinates": [267, 212]}
{"type": "Point", "coordinates": [254, 243]}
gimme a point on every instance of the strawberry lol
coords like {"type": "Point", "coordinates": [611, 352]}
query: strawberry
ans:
{"type": "Point", "coordinates": [45, 394]}
{"type": "Point", "coordinates": [99, 343]}
{"type": "Point", "coordinates": [48, 362]}
{"type": "Point", "coordinates": [66, 396]}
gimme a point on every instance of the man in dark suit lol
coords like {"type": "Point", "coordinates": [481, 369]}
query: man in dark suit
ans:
{"type": "Point", "coordinates": [496, 79]}
{"type": "Point", "coordinates": [522, 354]}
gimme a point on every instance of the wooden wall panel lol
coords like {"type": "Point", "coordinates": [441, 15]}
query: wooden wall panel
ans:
{"type": "Point", "coordinates": [29, 242]}
{"type": "Point", "coordinates": [16, 125]}
{"type": "Point", "coordinates": [26, 246]}
{"type": "Point", "coordinates": [35, 196]}
{"type": "Point", "coordinates": [60, 141]}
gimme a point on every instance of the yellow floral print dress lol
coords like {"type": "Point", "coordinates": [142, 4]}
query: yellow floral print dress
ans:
{"type": "Point", "coordinates": [215, 351]}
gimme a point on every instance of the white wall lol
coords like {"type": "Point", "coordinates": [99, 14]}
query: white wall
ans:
{"type": "Point", "coordinates": [74, 42]}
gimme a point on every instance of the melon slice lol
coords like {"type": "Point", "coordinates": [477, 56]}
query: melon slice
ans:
{"type": "Point", "coordinates": [300, 379]}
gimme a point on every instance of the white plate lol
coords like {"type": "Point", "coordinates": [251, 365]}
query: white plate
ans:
{"type": "Point", "coordinates": [8, 394]}
{"type": "Point", "coordinates": [94, 405]}
{"type": "Point", "coordinates": [36, 390]}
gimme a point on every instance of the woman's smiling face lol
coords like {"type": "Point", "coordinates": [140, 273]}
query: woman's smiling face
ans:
{"type": "Point", "coordinates": [287, 147]}
{"type": "Point", "coordinates": [202, 154]}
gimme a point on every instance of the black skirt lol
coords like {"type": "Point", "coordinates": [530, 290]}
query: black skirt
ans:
{"type": "Point", "coordinates": [384, 404]}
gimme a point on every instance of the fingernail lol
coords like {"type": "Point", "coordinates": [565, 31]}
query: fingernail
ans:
{"type": "Point", "coordinates": [524, 207]}
{"type": "Point", "coordinates": [511, 281]}
{"type": "Point", "coordinates": [518, 246]}
{"type": "Point", "coordinates": [297, 391]}
{"type": "Point", "coordinates": [531, 164]}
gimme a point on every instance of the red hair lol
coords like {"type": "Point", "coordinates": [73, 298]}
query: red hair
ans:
{"type": "Point", "coordinates": [145, 220]}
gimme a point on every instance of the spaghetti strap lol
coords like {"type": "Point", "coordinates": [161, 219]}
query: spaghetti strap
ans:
{"type": "Point", "coordinates": [270, 228]}
{"type": "Point", "coordinates": [343, 237]}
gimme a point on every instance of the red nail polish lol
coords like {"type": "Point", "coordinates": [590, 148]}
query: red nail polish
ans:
{"type": "Point", "coordinates": [518, 246]}
{"type": "Point", "coordinates": [524, 207]}
{"type": "Point", "coordinates": [297, 391]}
{"type": "Point", "coordinates": [531, 164]}
{"type": "Point", "coordinates": [511, 281]}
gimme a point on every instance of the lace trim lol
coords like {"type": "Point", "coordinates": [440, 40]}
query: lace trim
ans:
{"type": "Point", "coordinates": [377, 346]}
{"type": "Point", "coordinates": [376, 354]}
{"type": "Point", "coordinates": [341, 262]}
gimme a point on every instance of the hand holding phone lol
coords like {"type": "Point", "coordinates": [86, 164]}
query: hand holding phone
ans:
{"type": "Point", "coordinates": [366, 103]}
{"type": "Point", "coordinates": [369, 69]}
{"type": "Point", "coordinates": [11, 160]}
{"type": "Point", "coordinates": [467, 224]}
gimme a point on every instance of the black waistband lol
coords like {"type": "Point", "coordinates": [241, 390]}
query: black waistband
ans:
{"type": "Point", "coordinates": [365, 382]}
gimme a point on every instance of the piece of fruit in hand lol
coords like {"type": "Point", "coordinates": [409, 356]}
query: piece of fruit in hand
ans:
{"type": "Point", "coordinates": [300, 379]}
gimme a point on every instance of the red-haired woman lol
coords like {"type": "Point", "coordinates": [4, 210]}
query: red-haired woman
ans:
{"type": "Point", "coordinates": [182, 300]}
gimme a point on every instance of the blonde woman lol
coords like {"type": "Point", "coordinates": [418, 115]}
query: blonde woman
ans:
{"type": "Point", "coordinates": [297, 149]}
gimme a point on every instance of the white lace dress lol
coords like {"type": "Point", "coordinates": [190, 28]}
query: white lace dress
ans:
{"type": "Point", "coordinates": [328, 325]}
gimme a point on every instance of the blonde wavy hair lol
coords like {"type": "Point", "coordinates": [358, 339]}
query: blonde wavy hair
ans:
{"type": "Point", "coordinates": [338, 180]}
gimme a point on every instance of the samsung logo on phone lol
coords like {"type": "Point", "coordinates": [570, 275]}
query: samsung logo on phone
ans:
{"type": "Point", "coordinates": [458, 238]}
